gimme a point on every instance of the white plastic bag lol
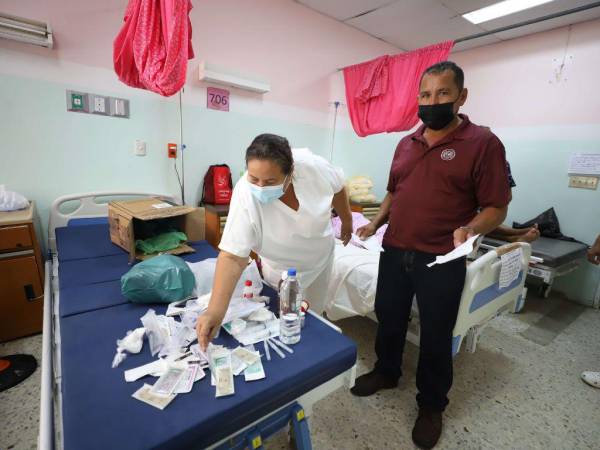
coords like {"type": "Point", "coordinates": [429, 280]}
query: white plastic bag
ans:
{"type": "Point", "coordinates": [250, 273]}
{"type": "Point", "coordinates": [155, 332]}
{"type": "Point", "coordinates": [11, 201]}
{"type": "Point", "coordinates": [204, 272]}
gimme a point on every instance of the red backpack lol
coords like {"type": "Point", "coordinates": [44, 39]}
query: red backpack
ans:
{"type": "Point", "coordinates": [218, 185]}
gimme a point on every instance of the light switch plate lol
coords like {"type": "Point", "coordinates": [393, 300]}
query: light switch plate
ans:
{"type": "Point", "coordinates": [583, 182]}
{"type": "Point", "coordinates": [139, 148]}
{"type": "Point", "coordinates": [119, 107]}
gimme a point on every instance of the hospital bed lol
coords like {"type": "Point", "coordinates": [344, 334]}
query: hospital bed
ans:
{"type": "Point", "coordinates": [85, 404]}
{"type": "Point", "coordinates": [354, 282]}
{"type": "Point", "coordinates": [551, 258]}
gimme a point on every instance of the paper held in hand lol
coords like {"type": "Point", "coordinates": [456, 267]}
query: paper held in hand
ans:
{"type": "Point", "coordinates": [462, 250]}
{"type": "Point", "coordinates": [371, 243]}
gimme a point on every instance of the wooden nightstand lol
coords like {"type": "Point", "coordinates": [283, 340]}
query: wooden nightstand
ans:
{"type": "Point", "coordinates": [216, 216]}
{"type": "Point", "coordinates": [21, 275]}
{"type": "Point", "coordinates": [369, 210]}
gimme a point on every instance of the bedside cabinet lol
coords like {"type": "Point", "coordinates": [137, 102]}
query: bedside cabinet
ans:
{"type": "Point", "coordinates": [216, 216]}
{"type": "Point", "coordinates": [369, 210]}
{"type": "Point", "coordinates": [21, 275]}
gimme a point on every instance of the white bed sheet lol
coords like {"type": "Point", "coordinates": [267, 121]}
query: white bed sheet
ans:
{"type": "Point", "coordinates": [353, 282]}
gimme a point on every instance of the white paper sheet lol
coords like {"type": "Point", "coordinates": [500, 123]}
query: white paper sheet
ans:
{"type": "Point", "coordinates": [371, 243]}
{"type": "Point", "coordinates": [462, 250]}
{"type": "Point", "coordinates": [512, 263]}
{"type": "Point", "coordinates": [157, 366]}
{"type": "Point", "coordinates": [585, 164]}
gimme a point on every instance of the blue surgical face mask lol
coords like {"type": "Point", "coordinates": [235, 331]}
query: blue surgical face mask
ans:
{"type": "Point", "coordinates": [266, 194]}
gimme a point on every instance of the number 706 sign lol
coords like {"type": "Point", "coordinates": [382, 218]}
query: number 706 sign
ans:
{"type": "Point", "coordinates": [217, 99]}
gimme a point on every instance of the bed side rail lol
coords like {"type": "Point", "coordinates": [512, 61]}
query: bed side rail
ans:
{"type": "Point", "coordinates": [46, 430]}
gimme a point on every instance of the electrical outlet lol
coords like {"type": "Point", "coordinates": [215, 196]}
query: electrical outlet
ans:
{"type": "Point", "coordinates": [583, 182]}
{"type": "Point", "coordinates": [139, 148]}
{"type": "Point", "coordinates": [99, 104]}
{"type": "Point", "coordinates": [172, 150]}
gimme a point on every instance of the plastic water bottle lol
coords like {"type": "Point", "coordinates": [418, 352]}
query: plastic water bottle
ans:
{"type": "Point", "coordinates": [290, 298]}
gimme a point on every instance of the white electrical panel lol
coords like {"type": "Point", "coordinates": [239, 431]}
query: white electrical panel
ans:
{"type": "Point", "coordinates": [583, 182]}
{"type": "Point", "coordinates": [97, 104]}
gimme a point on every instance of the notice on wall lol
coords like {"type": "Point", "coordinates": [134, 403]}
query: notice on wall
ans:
{"type": "Point", "coordinates": [584, 164]}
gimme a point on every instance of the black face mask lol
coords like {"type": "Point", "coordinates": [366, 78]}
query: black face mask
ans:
{"type": "Point", "coordinates": [437, 116]}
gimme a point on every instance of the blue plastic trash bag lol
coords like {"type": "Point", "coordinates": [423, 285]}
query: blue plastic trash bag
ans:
{"type": "Point", "coordinates": [162, 279]}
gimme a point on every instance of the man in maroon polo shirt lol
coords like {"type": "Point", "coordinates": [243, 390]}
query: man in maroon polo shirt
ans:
{"type": "Point", "coordinates": [447, 183]}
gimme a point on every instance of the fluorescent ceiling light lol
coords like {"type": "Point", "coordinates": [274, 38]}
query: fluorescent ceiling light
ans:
{"type": "Point", "coordinates": [25, 30]}
{"type": "Point", "coordinates": [501, 9]}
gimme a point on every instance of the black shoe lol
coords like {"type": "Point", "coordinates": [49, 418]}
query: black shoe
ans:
{"type": "Point", "coordinates": [372, 382]}
{"type": "Point", "coordinates": [428, 428]}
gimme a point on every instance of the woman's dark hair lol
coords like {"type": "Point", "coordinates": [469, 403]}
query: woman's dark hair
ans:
{"type": "Point", "coordinates": [274, 148]}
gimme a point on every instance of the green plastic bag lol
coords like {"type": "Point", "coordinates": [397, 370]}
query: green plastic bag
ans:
{"type": "Point", "coordinates": [162, 279]}
{"type": "Point", "coordinates": [161, 243]}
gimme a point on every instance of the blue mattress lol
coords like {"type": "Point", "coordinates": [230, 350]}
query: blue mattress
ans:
{"type": "Point", "coordinates": [91, 266]}
{"type": "Point", "coordinates": [554, 252]}
{"type": "Point", "coordinates": [98, 411]}
{"type": "Point", "coordinates": [98, 269]}
{"type": "Point", "coordinates": [85, 241]}
{"type": "Point", "coordinates": [83, 298]}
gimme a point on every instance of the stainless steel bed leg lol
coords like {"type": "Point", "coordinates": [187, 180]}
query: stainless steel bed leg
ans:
{"type": "Point", "coordinates": [471, 339]}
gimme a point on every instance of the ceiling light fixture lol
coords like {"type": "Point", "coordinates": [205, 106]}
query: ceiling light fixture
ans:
{"type": "Point", "coordinates": [501, 9]}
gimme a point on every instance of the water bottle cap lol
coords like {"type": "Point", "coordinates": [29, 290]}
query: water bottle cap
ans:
{"type": "Point", "coordinates": [292, 272]}
{"type": "Point", "coordinates": [248, 283]}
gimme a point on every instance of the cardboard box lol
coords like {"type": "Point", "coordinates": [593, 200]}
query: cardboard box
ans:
{"type": "Point", "coordinates": [136, 219]}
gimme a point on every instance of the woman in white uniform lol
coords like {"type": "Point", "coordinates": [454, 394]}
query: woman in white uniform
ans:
{"type": "Point", "coordinates": [281, 210]}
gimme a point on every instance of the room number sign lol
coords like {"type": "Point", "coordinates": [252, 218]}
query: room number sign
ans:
{"type": "Point", "coordinates": [217, 99]}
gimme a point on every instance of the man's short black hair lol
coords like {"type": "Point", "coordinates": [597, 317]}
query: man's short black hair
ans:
{"type": "Point", "coordinates": [459, 76]}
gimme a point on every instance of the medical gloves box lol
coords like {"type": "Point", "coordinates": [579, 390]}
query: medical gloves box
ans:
{"type": "Point", "coordinates": [125, 221]}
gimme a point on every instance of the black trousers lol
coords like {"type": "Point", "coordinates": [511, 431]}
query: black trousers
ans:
{"type": "Point", "coordinates": [438, 290]}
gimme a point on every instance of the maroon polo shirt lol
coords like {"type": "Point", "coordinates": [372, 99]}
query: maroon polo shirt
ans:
{"type": "Point", "coordinates": [437, 189]}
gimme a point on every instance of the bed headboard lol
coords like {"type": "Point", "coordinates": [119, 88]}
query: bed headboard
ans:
{"type": "Point", "coordinates": [88, 207]}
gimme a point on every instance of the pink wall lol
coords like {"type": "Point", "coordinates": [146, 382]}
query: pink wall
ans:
{"type": "Point", "coordinates": [293, 47]}
{"type": "Point", "coordinates": [514, 83]}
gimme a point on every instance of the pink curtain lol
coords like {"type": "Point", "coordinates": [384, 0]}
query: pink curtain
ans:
{"type": "Point", "coordinates": [153, 47]}
{"type": "Point", "coordinates": [382, 93]}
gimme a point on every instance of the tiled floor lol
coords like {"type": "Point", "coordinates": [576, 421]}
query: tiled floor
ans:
{"type": "Point", "coordinates": [20, 405]}
{"type": "Point", "coordinates": [513, 393]}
